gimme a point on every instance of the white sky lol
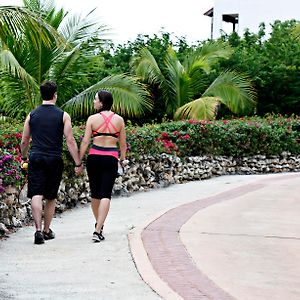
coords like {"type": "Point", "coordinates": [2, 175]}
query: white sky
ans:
{"type": "Point", "coordinates": [128, 18]}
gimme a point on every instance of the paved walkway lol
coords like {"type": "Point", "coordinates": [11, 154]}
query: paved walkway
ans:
{"type": "Point", "coordinates": [231, 237]}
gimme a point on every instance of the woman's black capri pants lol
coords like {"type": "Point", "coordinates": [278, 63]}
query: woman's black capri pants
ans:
{"type": "Point", "coordinates": [102, 172]}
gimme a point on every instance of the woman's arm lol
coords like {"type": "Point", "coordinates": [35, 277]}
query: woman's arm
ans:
{"type": "Point", "coordinates": [122, 141]}
{"type": "Point", "coordinates": [86, 139]}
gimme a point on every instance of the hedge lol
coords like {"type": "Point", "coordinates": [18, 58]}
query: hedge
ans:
{"type": "Point", "coordinates": [233, 138]}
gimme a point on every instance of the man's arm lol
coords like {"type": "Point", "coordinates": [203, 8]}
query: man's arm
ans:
{"type": "Point", "coordinates": [25, 139]}
{"type": "Point", "coordinates": [71, 143]}
{"type": "Point", "coordinates": [86, 139]}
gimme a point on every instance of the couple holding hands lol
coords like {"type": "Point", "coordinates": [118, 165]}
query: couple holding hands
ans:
{"type": "Point", "coordinates": [46, 126]}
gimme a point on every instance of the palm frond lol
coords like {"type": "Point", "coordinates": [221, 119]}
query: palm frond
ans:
{"type": "Point", "coordinates": [17, 100]}
{"type": "Point", "coordinates": [10, 64]}
{"type": "Point", "coordinates": [200, 109]}
{"type": "Point", "coordinates": [146, 68]}
{"type": "Point", "coordinates": [205, 57]}
{"type": "Point", "coordinates": [234, 90]}
{"type": "Point", "coordinates": [131, 98]}
{"type": "Point", "coordinates": [47, 10]}
{"type": "Point", "coordinates": [198, 63]}
{"type": "Point", "coordinates": [15, 21]}
{"type": "Point", "coordinates": [76, 29]}
{"type": "Point", "coordinates": [215, 50]}
{"type": "Point", "coordinates": [296, 31]}
{"type": "Point", "coordinates": [33, 5]}
{"type": "Point", "coordinates": [62, 62]}
{"type": "Point", "coordinates": [177, 82]}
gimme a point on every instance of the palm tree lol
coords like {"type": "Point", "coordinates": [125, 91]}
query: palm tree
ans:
{"type": "Point", "coordinates": [131, 97]}
{"type": "Point", "coordinates": [39, 42]}
{"type": "Point", "coordinates": [20, 28]}
{"type": "Point", "coordinates": [181, 83]}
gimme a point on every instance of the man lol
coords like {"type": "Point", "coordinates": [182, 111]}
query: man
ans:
{"type": "Point", "coordinates": [46, 125]}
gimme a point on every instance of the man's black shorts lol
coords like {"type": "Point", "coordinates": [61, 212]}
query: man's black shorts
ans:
{"type": "Point", "coordinates": [44, 176]}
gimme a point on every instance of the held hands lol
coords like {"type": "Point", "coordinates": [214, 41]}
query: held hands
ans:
{"type": "Point", "coordinates": [78, 169]}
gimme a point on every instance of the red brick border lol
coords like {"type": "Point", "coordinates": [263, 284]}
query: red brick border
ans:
{"type": "Point", "coordinates": [169, 257]}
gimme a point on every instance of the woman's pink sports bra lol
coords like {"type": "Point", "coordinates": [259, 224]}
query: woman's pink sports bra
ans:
{"type": "Point", "coordinates": [105, 126]}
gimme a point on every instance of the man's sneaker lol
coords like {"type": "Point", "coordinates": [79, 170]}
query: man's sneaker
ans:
{"type": "Point", "coordinates": [49, 235]}
{"type": "Point", "coordinates": [39, 237]}
{"type": "Point", "coordinates": [97, 237]}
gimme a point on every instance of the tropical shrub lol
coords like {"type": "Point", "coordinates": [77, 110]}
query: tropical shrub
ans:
{"type": "Point", "coordinates": [10, 156]}
{"type": "Point", "coordinates": [39, 42]}
{"type": "Point", "coordinates": [273, 63]}
{"type": "Point", "coordinates": [182, 83]}
{"type": "Point", "coordinates": [236, 138]}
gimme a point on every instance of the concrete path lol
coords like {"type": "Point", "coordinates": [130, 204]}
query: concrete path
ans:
{"type": "Point", "coordinates": [228, 241]}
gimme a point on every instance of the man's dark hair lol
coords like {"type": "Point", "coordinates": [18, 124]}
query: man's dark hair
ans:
{"type": "Point", "coordinates": [106, 99]}
{"type": "Point", "coordinates": [48, 89]}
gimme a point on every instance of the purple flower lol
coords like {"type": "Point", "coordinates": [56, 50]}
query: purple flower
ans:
{"type": "Point", "coordinates": [7, 157]}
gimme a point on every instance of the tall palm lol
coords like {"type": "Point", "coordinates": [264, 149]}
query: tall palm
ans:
{"type": "Point", "coordinates": [20, 28]}
{"type": "Point", "coordinates": [61, 55]}
{"type": "Point", "coordinates": [29, 57]}
{"type": "Point", "coordinates": [181, 83]}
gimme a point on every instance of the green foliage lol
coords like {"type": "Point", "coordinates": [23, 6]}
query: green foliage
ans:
{"type": "Point", "coordinates": [39, 43]}
{"type": "Point", "coordinates": [118, 59]}
{"type": "Point", "coordinates": [131, 98]}
{"type": "Point", "coordinates": [181, 83]}
{"type": "Point", "coordinates": [10, 156]}
{"type": "Point", "coordinates": [237, 137]}
{"type": "Point", "coordinates": [273, 63]}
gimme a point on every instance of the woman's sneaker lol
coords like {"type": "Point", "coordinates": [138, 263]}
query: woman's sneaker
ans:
{"type": "Point", "coordinates": [98, 237]}
{"type": "Point", "coordinates": [38, 238]}
{"type": "Point", "coordinates": [100, 234]}
{"type": "Point", "coordinates": [50, 235]}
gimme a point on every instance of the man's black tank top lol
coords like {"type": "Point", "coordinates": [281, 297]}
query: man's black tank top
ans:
{"type": "Point", "coordinates": [47, 130]}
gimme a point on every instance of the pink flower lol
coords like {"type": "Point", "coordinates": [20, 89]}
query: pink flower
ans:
{"type": "Point", "coordinates": [164, 135]}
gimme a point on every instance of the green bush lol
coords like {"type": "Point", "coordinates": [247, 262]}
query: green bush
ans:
{"type": "Point", "coordinates": [237, 138]}
{"type": "Point", "coordinates": [10, 156]}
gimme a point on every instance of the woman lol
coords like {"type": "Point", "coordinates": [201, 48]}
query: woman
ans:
{"type": "Point", "coordinates": [107, 129]}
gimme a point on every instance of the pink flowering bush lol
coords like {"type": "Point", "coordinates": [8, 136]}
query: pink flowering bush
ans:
{"type": "Point", "coordinates": [10, 156]}
{"type": "Point", "coordinates": [238, 137]}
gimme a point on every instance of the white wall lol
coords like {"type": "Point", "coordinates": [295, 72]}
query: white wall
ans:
{"type": "Point", "coordinates": [252, 13]}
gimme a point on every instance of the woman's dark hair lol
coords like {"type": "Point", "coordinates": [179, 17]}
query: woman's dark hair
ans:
{"type": "Point", "coordinates": [106, 99]}
{"type": "Point", "coordinates": [48, 89]}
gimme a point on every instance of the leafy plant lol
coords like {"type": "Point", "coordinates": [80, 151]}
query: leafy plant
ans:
{"type": "Point", "coordinates": [273, 62]}
{"type": "Point", "coordinates": [181, 83]}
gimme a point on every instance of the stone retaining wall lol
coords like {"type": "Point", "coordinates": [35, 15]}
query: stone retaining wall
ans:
{"type": "Point", "coordinates": [143, 174]}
